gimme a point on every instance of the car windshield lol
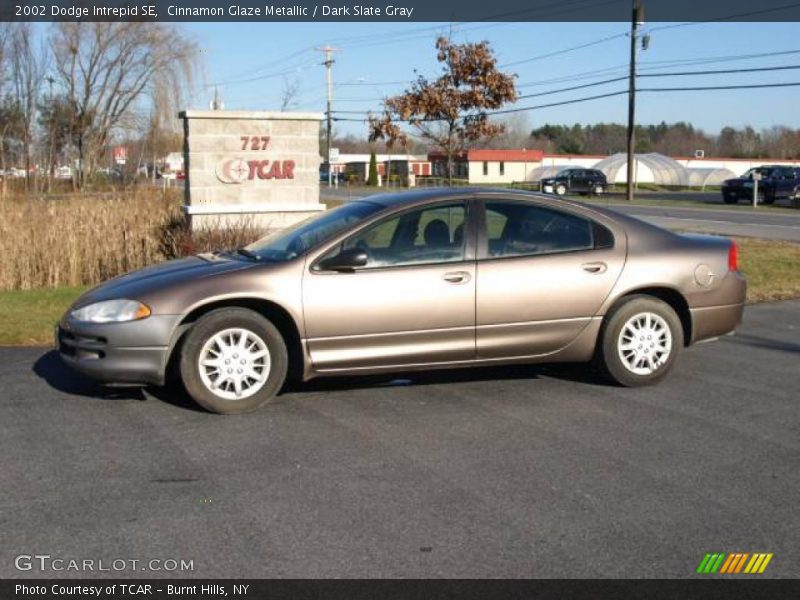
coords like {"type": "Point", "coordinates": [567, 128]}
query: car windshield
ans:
{"type": "Point", "coordinates": [764, 172]}
{"type": "Point", "coordinates": [298, 239]}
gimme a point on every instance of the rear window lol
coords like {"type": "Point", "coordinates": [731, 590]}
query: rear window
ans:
{"type": "Point", "coordinates": [516, 228]}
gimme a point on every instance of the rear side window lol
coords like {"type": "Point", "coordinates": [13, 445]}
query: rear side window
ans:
{"type": "Point", "coordinates": [522, 228]}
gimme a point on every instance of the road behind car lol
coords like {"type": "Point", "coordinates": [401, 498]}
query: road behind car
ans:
{"type": "Point", "coordinates": [515, 472]}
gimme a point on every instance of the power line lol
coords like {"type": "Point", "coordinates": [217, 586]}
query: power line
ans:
{"type": "Point", "coordinates": [656, 65]}
{"type": "Point", "coordinates": [574, 87]}
{"type": "Point", "coordinates": [721, 71]}
{"type": "Point", "coordinates": [621, 78]}
{"type": "Point", "coordinates": [593, 97]}
{"type": "Point", "coordinates": [296, 69]}
{"type": "Point", "coordinates": [497, 112]}
{"type": "Point", "coordinates": [564, 51]}
{"type": "Point", "coordinates": [752, 86]}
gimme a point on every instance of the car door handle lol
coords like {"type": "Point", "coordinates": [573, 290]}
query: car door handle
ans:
{"type": "Point", "coordinates": [595, 267]}
{"type": "Point", "coordinates": [456, 277]}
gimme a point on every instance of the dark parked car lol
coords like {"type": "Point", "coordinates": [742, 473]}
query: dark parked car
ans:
{"type": "Point", "coordinates": [323, 176]}
{"type": "Point", "coordinates": [416, 280]}
{"type": "Point", "coordinates": [574, 180]}
{"type": "Point", "coordinates": [776, 182]}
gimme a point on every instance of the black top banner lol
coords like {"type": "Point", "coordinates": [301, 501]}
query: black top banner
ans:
{"type": "Point", "coordinates": [399, 11]}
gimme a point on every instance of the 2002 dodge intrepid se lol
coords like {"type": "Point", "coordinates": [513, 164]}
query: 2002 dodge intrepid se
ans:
{"type": "Point", "coordinates": [416, 280]}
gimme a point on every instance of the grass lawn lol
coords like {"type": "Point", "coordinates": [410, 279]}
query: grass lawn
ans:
{"type": "Point", "coordinates": [27, 317]}
{"type": "Point", "coordinates": [772, 269]}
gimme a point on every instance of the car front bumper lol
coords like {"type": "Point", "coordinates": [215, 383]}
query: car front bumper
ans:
{"type": "Point", "coordinates": [133, 352]}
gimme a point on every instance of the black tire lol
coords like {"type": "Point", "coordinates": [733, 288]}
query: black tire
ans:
{"type": "Point", "coordinates": [730, 199]}
{"type": "Point", "coordinates": [206, 328]}
{"type": "Point", "coordinates": [768, 199]}
{"type": "Point", "coordinates": [608, 354]}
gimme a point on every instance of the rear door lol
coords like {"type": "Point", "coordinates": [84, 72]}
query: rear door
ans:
{"type": "Point", "coordinates": [578, 181]}
{"type": "Point", "coordinates": [786, 182]}
{"type": "Point", "coordinates": [542, 273]}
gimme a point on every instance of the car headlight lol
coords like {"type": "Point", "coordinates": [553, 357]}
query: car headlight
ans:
{"type": "Point", "coordinates": [111, 311]}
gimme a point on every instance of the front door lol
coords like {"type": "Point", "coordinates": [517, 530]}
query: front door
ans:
{"type": "Point", "coordinates": [542, 275]}
{"type": "Point", "coordinates": [412, 303]}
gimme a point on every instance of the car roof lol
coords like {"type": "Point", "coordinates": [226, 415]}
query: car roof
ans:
{"type": "Point", "coordinates": [411, 197]}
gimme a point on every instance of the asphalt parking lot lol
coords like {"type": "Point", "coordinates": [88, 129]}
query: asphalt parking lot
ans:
{"type": "Point", "coordinates": [502, 472]}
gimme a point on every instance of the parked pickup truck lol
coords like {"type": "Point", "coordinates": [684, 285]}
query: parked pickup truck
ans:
{"type": "Point", "coordinates": [776, 182]}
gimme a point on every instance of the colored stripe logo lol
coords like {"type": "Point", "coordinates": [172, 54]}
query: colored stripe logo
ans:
{"type": "Point", "coordinates": [734, 563]}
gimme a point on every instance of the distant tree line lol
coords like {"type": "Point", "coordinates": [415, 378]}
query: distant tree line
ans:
{"type": "Point", "coordinates": [673, 139]}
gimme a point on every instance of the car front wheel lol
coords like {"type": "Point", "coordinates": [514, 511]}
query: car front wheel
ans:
{"type": "Point", "coordinates": [640, 341]}
{"type": "Point", "coordinates": [561, 189]}
{"type": "Point", "coordinates": [233, 361]}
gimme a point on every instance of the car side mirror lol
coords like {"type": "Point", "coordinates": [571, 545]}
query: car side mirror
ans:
{"type": "Point", "coordinates": [346, 260]}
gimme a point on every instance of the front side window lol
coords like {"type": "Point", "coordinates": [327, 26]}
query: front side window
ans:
{"type": "Point", "coordinates": [522, 228]}
{"type": "Point", "coordinates": [428, 235]}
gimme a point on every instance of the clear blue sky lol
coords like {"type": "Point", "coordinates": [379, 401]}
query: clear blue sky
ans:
{"type": "Point", "coordinates": [372, 54]}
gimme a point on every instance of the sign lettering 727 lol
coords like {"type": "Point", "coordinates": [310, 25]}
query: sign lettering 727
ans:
{"type": "Point", "coordinates": [255, 142]}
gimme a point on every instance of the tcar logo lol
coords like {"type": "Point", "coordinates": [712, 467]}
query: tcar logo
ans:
{"type": "Point", "coordinates": [232, 170]}
{"type": "Point", "coordinates": [237, 170]}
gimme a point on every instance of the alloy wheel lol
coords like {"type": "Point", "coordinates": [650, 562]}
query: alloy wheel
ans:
{"type": "Point", "coordinates": [234, 364]}
{"type": "Point", "coordinates": [645, 343]}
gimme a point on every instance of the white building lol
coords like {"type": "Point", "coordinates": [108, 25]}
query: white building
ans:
{"type": "Point", "coordinates": [509, 166]}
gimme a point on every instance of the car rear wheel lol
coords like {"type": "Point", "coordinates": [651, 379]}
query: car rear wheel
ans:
{"type": "Point", "coordinates": [597, 190]}
{"type": "Point", "coordinates": [560, 189]}
{"type": "Point", "coordinates": [233, 361]}
{"type": "Point", "coordinates": [730, 199]}
{"type": "Point", "coordinates": [640, 341]}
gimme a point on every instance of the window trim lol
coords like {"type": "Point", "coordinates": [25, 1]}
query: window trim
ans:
{"type": "Point", "coordinates": [482, 238]}
{"type": "Point", "coordinates": [469, 242]}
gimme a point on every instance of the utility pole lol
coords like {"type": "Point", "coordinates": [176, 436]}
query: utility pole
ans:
{"type": "Point", "coordinates": [216, 103]}
{"type": "Point", "coordinates": [328, 51]}
{"type": "Point", "coordinates": [637, 19]}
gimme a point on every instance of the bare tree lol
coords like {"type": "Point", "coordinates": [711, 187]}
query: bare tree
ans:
{"type": "Point", "coordinates": [27, 65]}
{"type": "Point", "coordinates": [451, 110]}
{"type": "Point", "coordinates": [516, 132]}
{"type": "Point", "coordinates": [289, 93]}
{"type": "Point", "coordinates": [106, 68]}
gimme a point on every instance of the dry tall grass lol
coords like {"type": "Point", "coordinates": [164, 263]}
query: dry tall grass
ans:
{"type": "Point", "coordinates": [81, 239]}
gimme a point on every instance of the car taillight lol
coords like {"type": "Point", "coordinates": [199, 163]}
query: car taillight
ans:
{"type": "Point", "coordinates": [733, 256]}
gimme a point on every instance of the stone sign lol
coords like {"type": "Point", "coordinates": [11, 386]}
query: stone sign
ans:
{"type": "Point", "coordinates": [243, 167]}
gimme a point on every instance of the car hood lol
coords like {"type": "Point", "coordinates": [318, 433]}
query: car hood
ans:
{"type": "Point", "coordinates": [138, 284]}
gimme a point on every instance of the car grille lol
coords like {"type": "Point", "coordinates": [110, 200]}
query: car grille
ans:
{"type": "Point", "coordinates": [80, 346]}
